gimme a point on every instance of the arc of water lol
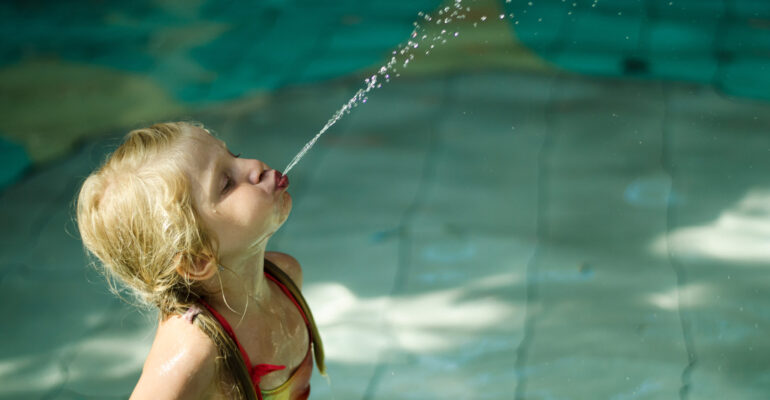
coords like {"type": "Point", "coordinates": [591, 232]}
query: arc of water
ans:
{"type": "Point", "coordinates": [359, 96]}
{"type": "Point", "coordinates": [445, 16]}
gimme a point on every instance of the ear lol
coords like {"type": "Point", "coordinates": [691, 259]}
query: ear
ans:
{"type": "Point", "coordinates": [197, 268]}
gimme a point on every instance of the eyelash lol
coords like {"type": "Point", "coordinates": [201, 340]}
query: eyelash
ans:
{"type": "Point", "coordinates": [228, 184]}
{"type": "Point", "coordinates": [228, 180]}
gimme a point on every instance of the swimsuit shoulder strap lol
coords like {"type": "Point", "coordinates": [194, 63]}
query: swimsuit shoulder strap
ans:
{"type": "Point", "coordinates": [226, 326]}
{"type": "Point", "coordinates": [256, 372]}
{"type": "Point", "coordinates": [235, 355]}
{"type": "Point", "coordinates": [288, 286]}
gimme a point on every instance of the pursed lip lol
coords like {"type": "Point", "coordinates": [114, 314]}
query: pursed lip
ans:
{"type": "Point", "coordinates": [281, 181]}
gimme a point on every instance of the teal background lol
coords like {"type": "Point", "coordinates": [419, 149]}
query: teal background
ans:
{"type": "Point", "coordinates": [568, 203]}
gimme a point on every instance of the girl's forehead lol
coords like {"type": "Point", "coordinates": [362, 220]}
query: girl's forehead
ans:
{"type": "Point", "coordinates": [202, 158]}
{"type": "Point", "coordinates": [203, 140]}
{"type": "Point", "coordinates": [197, 154]}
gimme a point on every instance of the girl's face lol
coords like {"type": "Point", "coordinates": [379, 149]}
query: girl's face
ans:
{"type": "Point", "coordinates": [242, 201]}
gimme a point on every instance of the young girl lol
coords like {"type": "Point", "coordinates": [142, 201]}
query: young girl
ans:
{"type": "Point", "coordinates": [184, 223]}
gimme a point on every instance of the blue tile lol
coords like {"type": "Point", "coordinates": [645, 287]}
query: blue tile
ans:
{"type": "Point", "coordinates": [749, 77]}
{"type": "Point", "coordinates": [13, 162]}
{"type": "Point", "coordinates": [673, 38]}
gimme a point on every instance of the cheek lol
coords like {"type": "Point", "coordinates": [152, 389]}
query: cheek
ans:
{"type": "Point", "coordinates": [252, 209]}
{"type": "Point", "coordinates": [245, 216]}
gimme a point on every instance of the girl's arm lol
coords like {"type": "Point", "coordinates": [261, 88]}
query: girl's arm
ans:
{"type": "Point", "coordinates": [181, 364]}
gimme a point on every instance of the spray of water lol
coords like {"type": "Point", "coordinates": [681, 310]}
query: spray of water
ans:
{"type": "Point", "coordinates": [420, 40]}
{"type": "Point", "coordinates": [359, 96]}
{"type": "Point", "coordinates": [404, 54]}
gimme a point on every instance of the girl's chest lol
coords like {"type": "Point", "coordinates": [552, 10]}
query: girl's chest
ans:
{"type": "Point", "coordinates": [277, 336]}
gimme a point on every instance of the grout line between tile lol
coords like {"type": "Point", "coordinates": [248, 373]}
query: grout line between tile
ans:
{"type": "Point", "coordinates": [532, 286]}
{"type": "Point", "coordinates": [405, 238]}
{"type": "Point", "coordinates": [681, 275]}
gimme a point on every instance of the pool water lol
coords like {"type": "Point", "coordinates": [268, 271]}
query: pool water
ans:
{"type": "Point", "coordinates": [526, 213]}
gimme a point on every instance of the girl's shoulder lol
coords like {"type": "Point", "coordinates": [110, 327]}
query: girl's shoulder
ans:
{"type": "Point", "coordinates": [181, 363]}
{"type": "Point", "coordinates": [287, 264]}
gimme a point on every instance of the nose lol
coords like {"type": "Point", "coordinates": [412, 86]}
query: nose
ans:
{"type": "Point", "coordinates": [257, 172]}
{"type": "Point", "coordinates": [254, 176]}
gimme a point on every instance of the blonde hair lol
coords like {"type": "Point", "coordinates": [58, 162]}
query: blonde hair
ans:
{"type": "Point", "coordinates": [135, 214]}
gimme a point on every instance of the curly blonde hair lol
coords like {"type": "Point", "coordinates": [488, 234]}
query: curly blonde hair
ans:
{"type": "Point", "coordinates": [135, 214]}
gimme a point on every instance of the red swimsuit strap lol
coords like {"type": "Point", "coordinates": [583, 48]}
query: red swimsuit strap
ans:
{"type": "Point", "coordinates": [228, 329]}
{"type": "Point", "coordinates": [289, 295]}
{"type": "Point", "coordinates": [256, 371]}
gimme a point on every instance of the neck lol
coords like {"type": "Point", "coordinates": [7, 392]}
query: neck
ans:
{"type": "Point", "coordinates": [240, 286]}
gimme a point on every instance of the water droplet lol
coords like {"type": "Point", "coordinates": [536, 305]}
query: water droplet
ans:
{"type": "Point", "coordinates": [457, 33]}
{"type": "Point", "coordinates": [502, 16]}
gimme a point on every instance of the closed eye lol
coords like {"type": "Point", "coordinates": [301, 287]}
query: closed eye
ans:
{"type": "Point", "coordinates": [228, 184]}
